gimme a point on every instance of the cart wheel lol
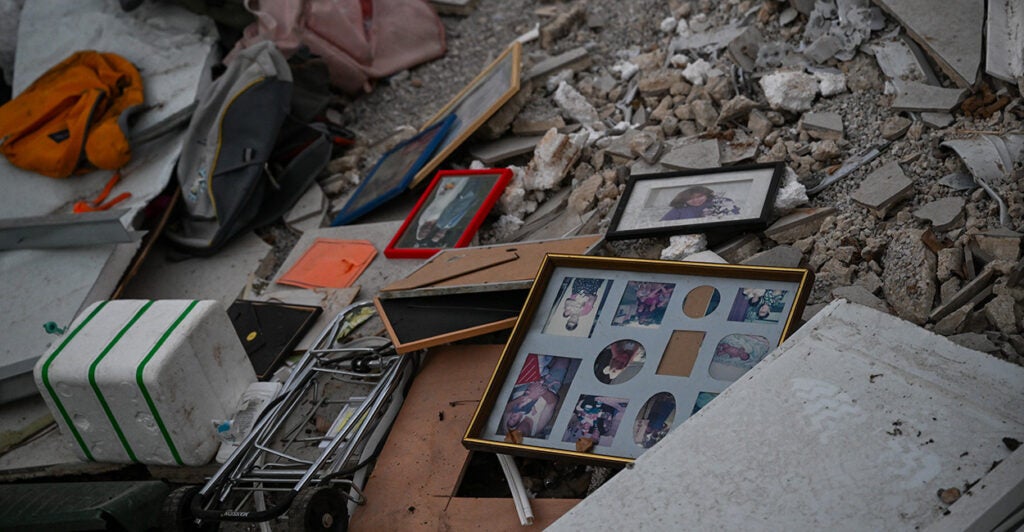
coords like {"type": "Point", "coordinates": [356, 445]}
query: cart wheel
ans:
{"type": "Point", "coordinates": [318, 509]}
{"type": "Point", "coordinates": [176, 514]}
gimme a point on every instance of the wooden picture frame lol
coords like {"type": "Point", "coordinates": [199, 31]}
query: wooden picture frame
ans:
{"type": "Point", "coordinates": [697, 201]}
{"type": "Point", "coordinates": [449, 212]}
{"type": "Point", "coordinates": [475, 103]}
{"type": "Point", "coordinates": [391, 175]}
{"type": "Point", "coordinates": [609, 354]}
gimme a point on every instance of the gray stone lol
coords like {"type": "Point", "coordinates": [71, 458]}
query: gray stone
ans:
{"type": "Point", "coordinates": [954, 323]}
{"type": "Point", "coordinates": [937, 120]}
{"type": "Point", "coordinates": [914, 96]}
{"type": "Point", "coordinates": [870, 281]}
{"type": "Point", "coordinates": [740, 148]}
{"type": "Point", "coordinates": [898, 62]}
{"type": "Point", "coordinates": [803, 6]}
{"type": "Point", "coordinates": [789, 90]}
{"type": "Point", "coordinates": [779, 256]}
{"type": "Point", "coordinates": [788, 15]}
{"type": "Point", "coordinates": [532, 124]}
{"type": "Point", "coordinates": [1000, 244]}
{"type": "Point", "coordinates": [825, 150]}
{"type": "Point", "coordinates": [883, 189]}
{"type": "Point", "coordinates": [823, 48]}
{"type": "Point", "coordinates": [908, 281]}
{"type": "Point", "coordinates": [861, 296]}
{"type": "Point", "coordinates": [576, 60]}
{"type": "Point", "coordinates": [737, 108]}
{"type": "Point", "coordinates": [659, 82]}
{"type": "Point", "coordinates": [704, 113]}
{"type": "Point", "coordinates": [976, 341]}
{"type": "Point", "coordinates": [949, 31]}
{"type": "Point", "coordinates": [949, 288]}
{"type": "Point", "coordinates": [584, 194]}
{"type": "Point", "coordinates": [943, 214]}
{"type": "Point", "coordinates": [1003, 313]}
{"type": "Point", "coordinates": [895, 127]}
{"type": "Point", "coordinates": [739, 249]}
{"type": "Point", "coordinates": [950, 262]}
{"type": "Point", "coordinates": [503, 149]}
{"type": "Point", "coordinates": [694, 156]}
{"type": "Point", "coordinates": [758, 124]}
{"type": "Point", "coordinates": [822, 125]}
{"type": "Point", "coordinates": [743, 48]}
{"type": "Point", "coordinates": [800, 223]}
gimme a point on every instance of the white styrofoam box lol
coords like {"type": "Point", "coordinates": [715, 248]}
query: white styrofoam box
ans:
{"type": "Point", "coordinates": [141, 381]}
{"type": "Point", "coordinates": [854, 423]}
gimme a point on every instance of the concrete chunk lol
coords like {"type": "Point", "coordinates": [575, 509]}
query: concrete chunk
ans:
{"type": "Point", "coordinates": [779, 256]}
{"type": "Point", "coordinates": [861, 296]}
{"type": "Point", "coordinates": [823, 125]}
{"type": "Point", "coordinates": [738, 249]}
{"type": "Point", "coordinates": [937, 120]}
{"type": "Point", "coordinates": [694, 156]}
{"type": "Point", "coordinates": [914, 96]}
{"type": "Point", "coordinates": [801, 223]}
{"type": "Point", "coordinates": [789, 90]}
{"type": "Point", "coordinates": [576, 60]}
{"type": "Point", "coordinates": [1004, 46]}
{"type": "Point", "coordinates": [925, 413]}
{"type": "Point", "coordinates": [949, 31]}
{"type": "Point", "coordinates": [504, 149]}
{"type": "Point", "coordinates": [883, 189]}
{"type": "Point", "coordinates": [943, 214]}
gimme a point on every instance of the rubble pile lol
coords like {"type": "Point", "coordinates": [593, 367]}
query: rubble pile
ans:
{"type": "Point", "coordinates": [901, 194]}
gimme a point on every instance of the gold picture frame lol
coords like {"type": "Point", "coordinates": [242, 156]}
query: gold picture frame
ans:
{"type": "Point", "coordinates": [474, 104]}
{"type": "Point", "coordinates": [609, 354]}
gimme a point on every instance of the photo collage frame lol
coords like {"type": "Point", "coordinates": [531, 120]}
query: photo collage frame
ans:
{"type": "Point", "coordinates": [610, 354]}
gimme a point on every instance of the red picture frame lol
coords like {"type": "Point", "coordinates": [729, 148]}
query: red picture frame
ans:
{"type": "Point", "coordinates": [449, 213]}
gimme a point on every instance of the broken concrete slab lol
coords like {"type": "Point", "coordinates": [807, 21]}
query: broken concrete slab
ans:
{"type": "Point", "coordinates": [895, 127]}
{"type": "Point", "coordinates": [1004, 313]}
{"type": "Point", "coordinates": [504, 149]}
{"type": "Point", "coordinates": [990, 158]}
{"type": "Point", "coordinates": [831, 81]}
{"type": "Point", "coordinates": [899, 62]}
{"type": "Point", "coordinates": [552, 159]}
{"type": "Point", "coordinates": [822, 125]}
{"type": "Point", "coordinates": [738, 249]}
{"type": "Point", "coordinates": [915, 96]}
{"type": "Point", "coordinates": [530, 123]}
{"type": "Point", "coordinates": [967, 293]}
{"type": "Point", "coordinates": [944, 214]}
{"type": "Point", "coordinates": [949, 31]}
{"type": "Point", "coordinates": [706, 41]}
{"type": "Point", "coordinates": [883, 189]}
{"type": "Point", "coordinates": [693, 156]}
{"type": "Point", "coordinates": [740, 148]}
{"type": "Point", "coordinates": [778, 256]}
{"type": "Point", "coordinates": [975, 341]}
{"type": "Point", "coordinates": [908, 281]}
{"type": "Point", "coordinates": [1000, 244]}
{"type": "Point", "coordinates": [737, 108]}
{"type": "Point", "coordinates": [575, 105]}
{"type": "Point", "coordinates": [705, 256]}
{"type": "Point", "coordinates": [576, 60]}
{"type": "Point", "coordinates": [1004, 45]}
{"type": "Point", "coordinates": [937, 120]}
{"type": "Point", "coordinates": [861, 296]}
{"type": "Point", "coordinates": [789, 90]}
{"type": "Point", "coordinates": [743, 49]}
{"type": "Point", "coordinates": [850, 373]}
{"type": "Point", "coordinates": [801, 223]}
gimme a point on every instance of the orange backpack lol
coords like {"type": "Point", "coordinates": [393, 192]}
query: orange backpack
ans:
{"type": "Point", "coordinates": [72, 119]}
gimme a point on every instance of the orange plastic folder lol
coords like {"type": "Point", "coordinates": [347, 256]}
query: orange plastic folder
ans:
{"type": "Point", "coordinates": [330, 263]}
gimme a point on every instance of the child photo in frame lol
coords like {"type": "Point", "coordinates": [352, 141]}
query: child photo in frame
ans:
{"type": "Point", "coordinates": [654, 420]}
{"type": "Point", "coordinates": [449, 213]}
{"type": "Point", "coordinates": [537, 395]}
{"type": "Point", "coordinates": [620, 361]}
{"type": "Point", "coordinates": [643, 304]}
{"type": "Point", "coordinates": [758, 305]}
{"type": "Point", "coordinates": [577, 306]}
{"type": "Point", "coordinates": [597, 418]}
{"type": "Point", "coordinates": [736, 353]}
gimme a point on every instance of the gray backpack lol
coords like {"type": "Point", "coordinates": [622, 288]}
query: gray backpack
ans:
{"type": "Point", "coordinates": [227, 183]}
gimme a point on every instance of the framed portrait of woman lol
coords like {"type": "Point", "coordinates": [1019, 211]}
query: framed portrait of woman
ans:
{"type": "Point", "coordinates": [702, 201]}
{"type": "Point", "coordinates": [449, 213]}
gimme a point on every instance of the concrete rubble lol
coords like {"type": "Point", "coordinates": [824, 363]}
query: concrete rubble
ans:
{"type": "Point", "coordinates": [925, 225]}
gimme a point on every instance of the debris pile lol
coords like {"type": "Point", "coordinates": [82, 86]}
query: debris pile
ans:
{"type": "Point", "coordinates": [906, 169]}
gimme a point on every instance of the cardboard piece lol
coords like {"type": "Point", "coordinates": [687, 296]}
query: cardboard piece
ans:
{"type": "Point", "coordinates": [330, 264]}
{"type": "Point", "coordinates": [479, 290]}
{"type": "Point", "coordinates": [416, 477]}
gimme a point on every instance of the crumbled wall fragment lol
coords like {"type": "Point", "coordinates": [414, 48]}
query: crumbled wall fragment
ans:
{"type": "Point", "coordinates": [789, 90]}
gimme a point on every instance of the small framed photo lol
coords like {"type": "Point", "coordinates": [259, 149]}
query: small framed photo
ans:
{"type": "Point", "coordinates": [496, 84]}
{"type": "Point", "coordinates": [393, 172]}
{"type": "Point", "coordinates": [609, 355]}
{"type": "Point", "coordinates": [725, 199]}
{"type": "Point", "coordinates": [449, 213]}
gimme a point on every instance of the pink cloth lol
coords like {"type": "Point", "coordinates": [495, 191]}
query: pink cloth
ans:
{"type": "Point", "coordinates": [360, 40]}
